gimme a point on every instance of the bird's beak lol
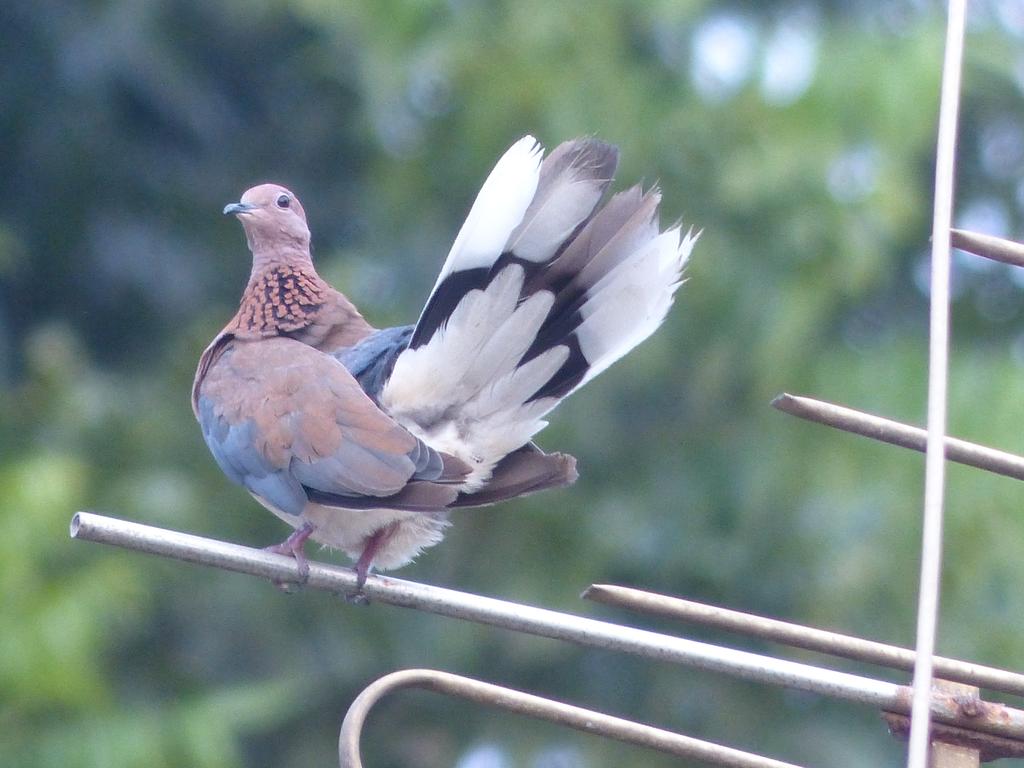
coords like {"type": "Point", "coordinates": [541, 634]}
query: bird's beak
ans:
{"type": "Point", "coordinates": [239, 208]}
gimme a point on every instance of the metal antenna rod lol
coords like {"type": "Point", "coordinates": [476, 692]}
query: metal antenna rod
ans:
{"type": "Point", "coordinates": [538, 707]}
{"type": "Point", "coordinates": [800, 636]}
{"type": "Point", "coordinates": [938, 375]}
{"type": "Point", "coordinates": [896, 433]}
{"type": "Point", "coordinates": [995, 248]}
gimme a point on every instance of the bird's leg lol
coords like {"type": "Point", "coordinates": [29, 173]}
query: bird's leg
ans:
{"type": "Point", "coordinates": [294, 546]}
{"type": "Point", "coordinates": [362, 567]}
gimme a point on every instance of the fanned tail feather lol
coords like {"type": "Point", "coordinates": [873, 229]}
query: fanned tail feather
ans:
{"type": "Point", "coordinates": [541, 291]}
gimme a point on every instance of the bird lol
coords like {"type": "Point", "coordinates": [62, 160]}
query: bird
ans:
{"type": "Point", "coordinates": [365, 439]}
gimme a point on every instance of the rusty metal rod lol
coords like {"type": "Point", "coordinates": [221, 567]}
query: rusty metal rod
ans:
{"type": "Point", "coordinates": [989, 247]}
{"type": "Point", "coordinates": [800, 636]}
{"type": "Point", "coordinates": [896, 433]}
{"type": "Point", "coordinates": [979, 715]}
{"type": "Point", "coordinates": [527, 704]}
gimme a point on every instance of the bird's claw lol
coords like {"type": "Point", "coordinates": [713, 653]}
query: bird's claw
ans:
{"type": "Point", "coordinates": [357, 598]}
{"type": "Point", "coordinates": [293, 546]}
{"type": "Point", "coordinates": [365, 563]}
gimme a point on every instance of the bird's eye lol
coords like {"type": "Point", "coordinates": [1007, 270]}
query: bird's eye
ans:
{"type": "Point", "coordinates": [284, 201]}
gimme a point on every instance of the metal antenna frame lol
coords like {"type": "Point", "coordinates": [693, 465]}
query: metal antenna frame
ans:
{"type": "Point", "coordinates": [914, 438]}
{"type": "Point", "coordinates": [987, 728]}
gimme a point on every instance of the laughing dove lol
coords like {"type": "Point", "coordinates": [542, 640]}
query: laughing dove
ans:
{"type": "Point", "coordinates": [363, 439]}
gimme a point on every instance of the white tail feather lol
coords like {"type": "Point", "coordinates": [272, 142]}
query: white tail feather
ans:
{"type": "Point", "coordinates": [567, 202]}
{"type": "Point", "coordinates": [431, 378]}
{"type": "Point", "coordinates": [507, 345]}
{"type": "Point", "coordinates": [498, 209]}
{"type": "Point", "coordinates": [515, 388]}
{"type": "Point", "coordinates": [637, 230]}
{"type": "Point", "coordinates": [630, 303]}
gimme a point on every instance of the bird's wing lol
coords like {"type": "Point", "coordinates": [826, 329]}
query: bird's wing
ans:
{"type": "Point", "coordinates": [290, 423]}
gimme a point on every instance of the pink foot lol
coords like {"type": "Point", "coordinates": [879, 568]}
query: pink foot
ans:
{"type": "Point", "coordinates": [365, 561]}
{"type": "Point", "coordinates": [294, 546]}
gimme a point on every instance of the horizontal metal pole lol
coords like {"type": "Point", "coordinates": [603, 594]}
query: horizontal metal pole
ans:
{"type": "Point", "coordinates": [894, 432]}
{"type": "Point", "coordinates": [527, 704]}
{"type": "Point", "coordinates": [801, 636]}
{"type": "Point", "coordinates": [990, 247]}
{"type": "Point", "coordinates": [974, 714]}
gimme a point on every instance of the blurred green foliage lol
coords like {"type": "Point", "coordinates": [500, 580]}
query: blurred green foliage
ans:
{"type": "Point", "coordinates": [798, 135]}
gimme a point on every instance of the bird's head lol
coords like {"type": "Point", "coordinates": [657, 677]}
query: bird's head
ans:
{"type": "Point", "coordinates": [272, 217]}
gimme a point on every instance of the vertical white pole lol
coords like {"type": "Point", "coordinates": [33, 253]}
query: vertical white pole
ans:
{"type": "Point", "coordinates": [938, 363]}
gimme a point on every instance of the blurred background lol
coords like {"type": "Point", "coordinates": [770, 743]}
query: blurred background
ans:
{"type": "Point", "coordinates": [799, 135]}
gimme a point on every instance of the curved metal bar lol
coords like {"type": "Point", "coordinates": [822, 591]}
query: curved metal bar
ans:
{"type": "Point", "coordinates": [537, 707]}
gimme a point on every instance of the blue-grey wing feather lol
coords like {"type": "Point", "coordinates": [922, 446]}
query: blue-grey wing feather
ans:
{"type": "Point", "coordinates": [371, 360]}
{"type": "Point", "coordinates": [234, 449]}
